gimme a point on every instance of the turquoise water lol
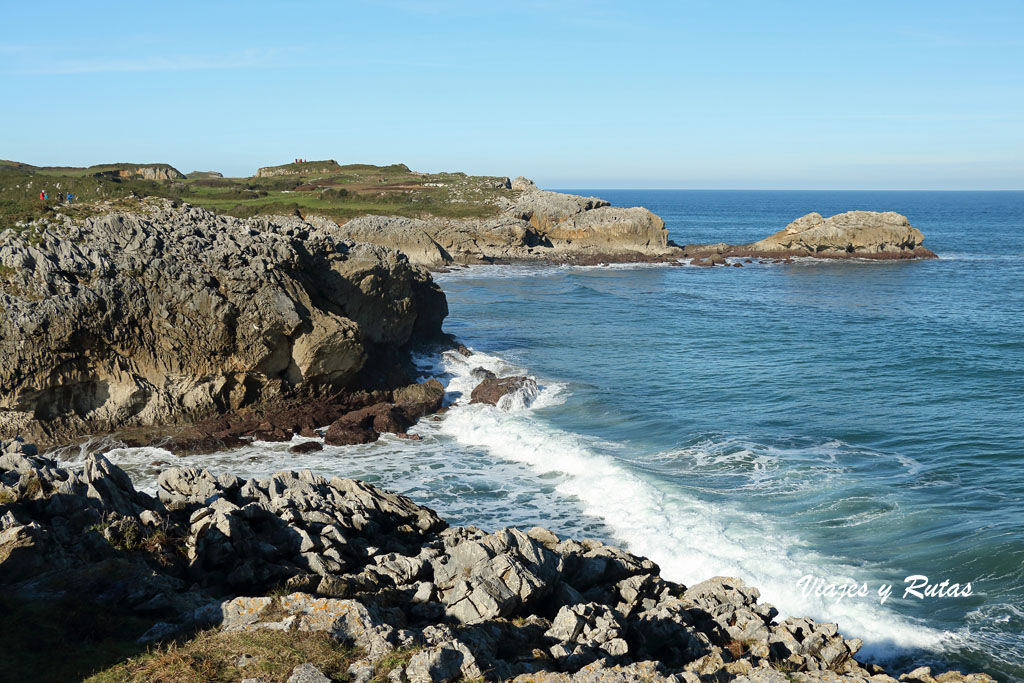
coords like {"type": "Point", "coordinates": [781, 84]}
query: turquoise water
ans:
{"type": "Point", "coordinates": [865, 419]}
{"type": "Point", "coordinates": [855, 421]}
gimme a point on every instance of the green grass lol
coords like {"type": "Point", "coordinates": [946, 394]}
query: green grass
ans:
{"type": "Point", "coordinates": [341, 193]}
{"type": "Point", "coordinates": [214, 655]}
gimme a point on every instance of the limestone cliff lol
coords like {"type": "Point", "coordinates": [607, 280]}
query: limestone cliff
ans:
{"type": "Point", "coordinates": [145, 318]}
{"type": "Point", "coordinates": [536, 225]}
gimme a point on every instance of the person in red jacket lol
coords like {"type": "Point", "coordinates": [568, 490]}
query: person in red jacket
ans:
{"type": "Point", "coordinates": [42, 196]}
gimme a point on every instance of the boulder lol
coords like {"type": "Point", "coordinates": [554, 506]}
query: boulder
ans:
{"type": "Point", "coordinates": [307, 673]}
{"type": "Point", "coordinates": [503, 391]}
{"type": "Point", "coordinates": [418, 400]}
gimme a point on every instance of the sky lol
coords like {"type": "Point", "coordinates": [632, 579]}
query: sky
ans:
{"type": "Point", "coordinates": [786, 95]}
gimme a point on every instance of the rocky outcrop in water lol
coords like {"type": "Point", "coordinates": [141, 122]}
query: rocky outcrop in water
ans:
{"type": "Point", "coordinates": [374, 570]}
{"type": "Point", "coordinates": [854, 234]}
{"type": "Point", "coordinates": [536, 225]}
{"type": "Point", "coordinates": [175, 313]}
{"type": "Point", "coordinates": [505, 392]}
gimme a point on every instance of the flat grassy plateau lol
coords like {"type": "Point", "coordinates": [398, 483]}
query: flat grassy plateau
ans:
{"type": "Point", "coordinates": [340, 192]}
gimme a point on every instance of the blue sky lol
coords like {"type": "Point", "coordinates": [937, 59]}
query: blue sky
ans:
{"type": "Point", "coordinates": [886, 95]}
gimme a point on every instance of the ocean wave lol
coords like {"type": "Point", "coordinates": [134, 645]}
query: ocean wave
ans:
{"type": "Point", "coordinates": [691, 539]}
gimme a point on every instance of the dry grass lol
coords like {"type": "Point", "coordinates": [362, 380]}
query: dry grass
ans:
{"type": "Point", "coordinates": [214, 656]}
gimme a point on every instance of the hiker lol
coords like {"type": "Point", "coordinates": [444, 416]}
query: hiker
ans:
{"type": "Point", "coordinates": [42, 196]}
{"type": "Point", "coordinates": [70, 198]}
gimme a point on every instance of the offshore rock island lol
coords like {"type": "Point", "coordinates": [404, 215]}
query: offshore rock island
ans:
{"type": "Point", "coordinates": [854, 234]}
{"type": "Point", "coordinates": [199, 313]}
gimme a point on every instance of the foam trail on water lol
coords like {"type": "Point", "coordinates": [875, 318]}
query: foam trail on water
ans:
{"type": "Point", "coordinates": [689, 538]}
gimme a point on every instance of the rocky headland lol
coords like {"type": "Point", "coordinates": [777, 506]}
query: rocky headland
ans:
{"type": "Point", "coordinates": [854, 234]}
{"type": "Point", "coordinates": [172, 314]}
{"type": "Point", "coordinates": [532, 225]}
{"type": "Point", "coordinates": [418, 600]}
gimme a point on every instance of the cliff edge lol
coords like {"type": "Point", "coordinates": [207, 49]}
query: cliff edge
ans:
{"type": "Point", "coordinates": [175, 313]}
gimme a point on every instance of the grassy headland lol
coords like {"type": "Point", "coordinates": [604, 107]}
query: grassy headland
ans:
{"type": "Point", "coordinates": [320, 187]}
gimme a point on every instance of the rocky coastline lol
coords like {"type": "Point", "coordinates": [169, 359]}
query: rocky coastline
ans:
{"type": "Point", "coordinates": [172, 315]}
{"type": "Point", "coordinates": [297, 553]}
{"type": "Point", "coordinates": [534, 225]}
{"type": "Point", "coordinates": [173, 326]}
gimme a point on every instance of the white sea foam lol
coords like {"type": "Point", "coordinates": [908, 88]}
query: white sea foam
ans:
{"type": "Point", "coordinates": [535, 473]}
{"type": "Point", "coordinates": [691, 539]}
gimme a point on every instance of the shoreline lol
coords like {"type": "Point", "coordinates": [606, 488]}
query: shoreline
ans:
{"type": "Point", "coordinates": [586, 624]}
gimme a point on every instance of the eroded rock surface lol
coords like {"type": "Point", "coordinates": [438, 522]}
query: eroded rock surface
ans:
{"type": "Point", "coordinates": [178, 313]}
{"type": "Point", "coordinates": [854, 234]}
{"type": "Point", "coordinates": [376, 571]}
{"type": "Point", "coordinates": [535, 225]}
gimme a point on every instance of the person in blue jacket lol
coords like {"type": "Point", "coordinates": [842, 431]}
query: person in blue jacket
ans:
{"type": "Point", "coordinates": [70, 197]}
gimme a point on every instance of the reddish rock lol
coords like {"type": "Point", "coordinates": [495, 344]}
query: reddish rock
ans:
{"type": "Point", "coordinates": [410, 437]}
{"type": "Point", "coordinates": [417, 400]}
{"type": "Point", "coordinates": [341, 434]}
{"type": "Point", "coordinates": [306, 447]}
{"type": "Point", "coordinates": [492, 389]}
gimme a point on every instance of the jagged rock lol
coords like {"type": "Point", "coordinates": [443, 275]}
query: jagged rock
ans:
{"type": "Point", "coordinates": [179, 313]}
{"type": "Point", "coordinates": [450, 661]}
{"type": "Point", "coordinates": [593, 626]}
{"type": "Point", "coordinates": [372, 569]}
{"type": "Point", "coordinates": [535, 225]}
{"type": "Point", "coordinates": [346, 620]}
{"type": "Point", "coordinates": [503, 392]}
{"type": "Point", "coordinates": [417, 400]}
{"type": "Point", "coordinates": [307, 673]}
{"type": "Point", "coordinates": [497, 576]}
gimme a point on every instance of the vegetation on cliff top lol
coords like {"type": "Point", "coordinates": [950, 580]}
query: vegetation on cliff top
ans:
{"type": "Point", "coordinates": [341, 193]}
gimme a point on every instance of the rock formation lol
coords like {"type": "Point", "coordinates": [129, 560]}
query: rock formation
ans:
{"type": "Point", "coordinates": [854, 234]}
{"type": "Point", "coordinates": [535, 225]}
{"type": "Point", "coordinates": [177, 313]}
{"type": "Point", "coordinates": [326, 166]}
{"type": "Point", "coordinates": [505, 392]}
{"type": "Point", "coordinates": [159, 172]}
{"type": "Point", "coordinates": [374, 570]}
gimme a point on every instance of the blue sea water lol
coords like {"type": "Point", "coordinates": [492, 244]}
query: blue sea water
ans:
{"type": "Point", "coordinates": [856, 421]}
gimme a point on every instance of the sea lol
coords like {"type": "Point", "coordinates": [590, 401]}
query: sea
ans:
{"type": "Point", "coordinates": [822, 430]}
